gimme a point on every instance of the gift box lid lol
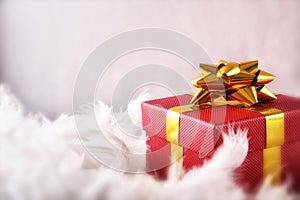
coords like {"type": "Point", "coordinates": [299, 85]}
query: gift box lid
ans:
{"type": "Point", "coordinates": [200, 130]}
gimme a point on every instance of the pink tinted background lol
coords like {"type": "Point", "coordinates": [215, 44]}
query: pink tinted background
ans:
{"type": "Point", "coordinates": [44, 43]}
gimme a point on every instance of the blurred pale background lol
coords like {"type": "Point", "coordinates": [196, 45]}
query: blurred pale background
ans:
{"type": "Point", "coordinates": [44, 42]}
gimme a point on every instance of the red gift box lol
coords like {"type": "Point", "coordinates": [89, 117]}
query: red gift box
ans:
{"type": "Point", "coordinates": [200, 134]}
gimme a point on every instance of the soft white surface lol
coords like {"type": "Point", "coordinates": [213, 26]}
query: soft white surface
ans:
{"type": "Point", "coordinates": [40, 159]}
{"type": "Point", "coordinates": [43, 42]}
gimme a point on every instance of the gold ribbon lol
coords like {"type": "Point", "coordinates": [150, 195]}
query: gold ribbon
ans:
{"type": "Point", "coordinates": [172, 130]}
{"type": "Point", "coordinates": [244, 85]}
{"type": "Point", "coordinates": [274, 139]}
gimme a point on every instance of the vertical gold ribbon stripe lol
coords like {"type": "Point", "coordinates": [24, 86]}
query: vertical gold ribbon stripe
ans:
{"type": "Point", "coordinates": [274, 139]}
{"type": "Point", "coordinates": [272, 164]}
{"type": "Point", "coordinates": [176, 154]}
{"type": "Point", "coordinates": [172, 130]}
{"type": "Point", "coordinates": [274, 127]}
{"type": "Point", "coordinates": [172, 122]}
{"type": "Point", "coordinates": [172, 125]}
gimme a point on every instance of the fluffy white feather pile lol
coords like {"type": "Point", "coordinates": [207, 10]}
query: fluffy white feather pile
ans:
{"type": "Point", "coordinates": [42, 159]}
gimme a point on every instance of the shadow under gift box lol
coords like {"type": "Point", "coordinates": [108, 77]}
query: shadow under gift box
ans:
{"type": "Point", "coordinates": [200, 135]}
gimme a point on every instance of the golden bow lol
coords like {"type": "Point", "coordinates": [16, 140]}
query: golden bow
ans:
{"type": "Point", "coordinates": [232, 83]}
